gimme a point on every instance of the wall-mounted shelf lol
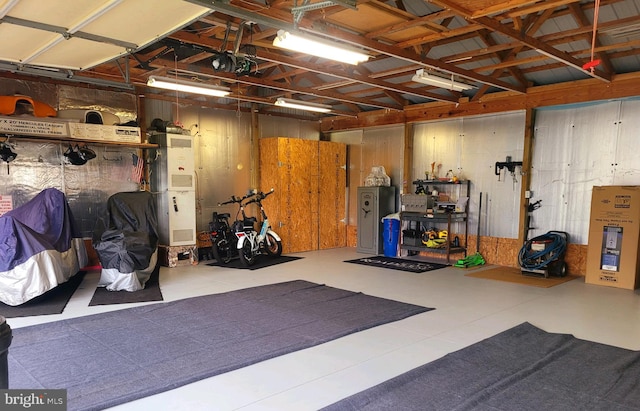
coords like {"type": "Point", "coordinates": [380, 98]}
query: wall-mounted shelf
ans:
{"type": "Point", "coordinates": [4, 136]}
{"type": "Point", "coordinates": [56, 130]}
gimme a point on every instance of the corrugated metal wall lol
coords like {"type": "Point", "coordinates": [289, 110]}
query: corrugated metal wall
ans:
{"type": "Point", "coordinates": [42, 165]}
{"type": "Point", "coordinates": [222, 143]}
{"type": "Point", "coordinates": [470, 147]}
{"type": "Point", "coordinates": [576, 148]}
{"type": "Point", "coordinates": [367, 148]}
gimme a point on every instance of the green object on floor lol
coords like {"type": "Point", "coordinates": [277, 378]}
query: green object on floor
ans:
{"type": "Point", "coordinates": [470, 261]}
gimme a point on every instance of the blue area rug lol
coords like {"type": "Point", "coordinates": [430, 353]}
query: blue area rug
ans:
{"type": "Point", "coordinates": [110, 358]}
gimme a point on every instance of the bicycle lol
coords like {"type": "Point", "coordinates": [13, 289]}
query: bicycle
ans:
{"type": "Point", "coordinates": [223, 239]}
{"type": "Point", "coordinates": [252, 243]}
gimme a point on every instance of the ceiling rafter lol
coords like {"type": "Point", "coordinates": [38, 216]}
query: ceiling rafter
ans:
{"type": "Point", "coordinates": [301, 64]}
{"type": "Point", "coordinates": [427, 21]}
{"type": "Point", "coordinates": [254, 81]}
{"type": "Point", "coordinates": [498, 45]}
{"type": "Point", "coordinates": [581, 19]}
{"type": "Point", "coordinates": [320, 28]}
{"type": "Point", "coordinates": [538, 7]}
{"type": "Point", "coordinates": [532, 42]}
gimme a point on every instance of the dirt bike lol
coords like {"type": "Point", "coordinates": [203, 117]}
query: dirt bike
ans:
{"type": "Point", "coordinates": [223, 240]}
{"type": "Point", "coordinates": [252, 243]}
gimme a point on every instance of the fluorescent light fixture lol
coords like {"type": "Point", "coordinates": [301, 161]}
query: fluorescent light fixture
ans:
{"type": "Point", "coordinates": [301, 105]}
{"type": "Point", "coordinates": [188, 86]}
{"type": "Point", "coordinates": [425, 78]}
{"type": "Point", "coordinates": [319, 48]}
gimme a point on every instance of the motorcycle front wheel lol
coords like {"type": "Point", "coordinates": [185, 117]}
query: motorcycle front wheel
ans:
{"type": "Point", "coordinates": [272, 246]}
{"type": "Point", "coordinates": [247, 257]}
{"type": "Point", "coordinates": [222, 251]}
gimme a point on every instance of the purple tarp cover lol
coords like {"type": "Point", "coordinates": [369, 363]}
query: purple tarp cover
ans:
{"type": "Point", "coordinates": [39, 247]}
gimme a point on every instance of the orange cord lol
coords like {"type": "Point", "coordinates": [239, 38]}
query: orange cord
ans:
{"type": "Point", "coordinates": [593, 63]}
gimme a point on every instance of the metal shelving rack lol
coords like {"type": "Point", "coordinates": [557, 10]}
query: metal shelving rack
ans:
{"type": "Point", "coordinates": [440, 218]}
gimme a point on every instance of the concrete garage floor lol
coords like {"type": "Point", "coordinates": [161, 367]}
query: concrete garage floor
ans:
{"type": "Point", "coordinates": [467, 311]}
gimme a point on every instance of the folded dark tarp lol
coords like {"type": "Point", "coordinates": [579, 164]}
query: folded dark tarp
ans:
{"type": "Point", "coordinates": [126, 241]}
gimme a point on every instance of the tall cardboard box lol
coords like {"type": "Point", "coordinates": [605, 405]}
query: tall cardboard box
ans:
{"type": "Point", "coordinates": [614, 231]}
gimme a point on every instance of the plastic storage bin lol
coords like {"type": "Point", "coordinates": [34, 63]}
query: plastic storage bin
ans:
{"type": "Point", "coordinates": [390, 236]}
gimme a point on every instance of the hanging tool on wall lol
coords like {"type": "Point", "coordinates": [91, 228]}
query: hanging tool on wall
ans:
{"type": "Point", "coordinates": [530, 208]}
{"type": "Point", "coordinates": [6, 153]}
{"type": "Point", "coordinates": [509, 165]}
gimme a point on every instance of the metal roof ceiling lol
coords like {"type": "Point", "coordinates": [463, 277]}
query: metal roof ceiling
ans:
{"type": "Point", "coordinates": [494, 45]}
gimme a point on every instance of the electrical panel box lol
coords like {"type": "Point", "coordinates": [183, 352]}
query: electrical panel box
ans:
{"type": "Point", "coordinates": [173, 178]}
{"type": "Point", "coordinates": [374, 203]}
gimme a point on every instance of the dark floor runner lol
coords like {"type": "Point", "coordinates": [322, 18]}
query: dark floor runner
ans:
{"type": "Point", "coordinates": [150, 292]}
{"type": "Point", "coordinates": [401, 264]}
{"type": "Point", "coordinates": [261, 262]}
{"type": "Point", "coordinates": [51, 302]}
{"type": "Point", "coordinates": [107, 359]}
{"type": "Point", "coordinates": [523, 368]}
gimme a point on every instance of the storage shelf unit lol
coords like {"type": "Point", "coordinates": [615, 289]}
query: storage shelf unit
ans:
{"type": "Point", "coordinates": [433, 218]}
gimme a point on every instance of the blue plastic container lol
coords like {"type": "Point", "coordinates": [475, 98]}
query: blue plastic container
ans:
{"type": "Point", "coordinates": [390, 235]}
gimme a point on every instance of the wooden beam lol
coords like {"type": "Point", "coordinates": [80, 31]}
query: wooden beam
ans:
{"type": "Point", "coordinates": [407, 166]}
{"type": "Point", "coordinates": [413, 58]}
{"type": "Point", "coordinates": [254, 81]}
{"type": "Point", "coordinates": [265, 55]}
{"type": "Point", "coordinates": [536, 44]}
{"type": "Point", "coordinates": [271, 18]}
{"type": "Point", "coordinates": [527, 160]}
{"type": "Point", "coordinates": [581, 91]}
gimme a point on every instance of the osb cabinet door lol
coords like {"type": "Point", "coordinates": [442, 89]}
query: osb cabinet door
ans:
{"type": "Point", "coordinates": [290, 166]}
{"type": "Point", "coordinates": [299, 178]}
{"type": "Point", "coordinates": [332, 195]}
{"type": "Point", "coordinates": [270, 178]}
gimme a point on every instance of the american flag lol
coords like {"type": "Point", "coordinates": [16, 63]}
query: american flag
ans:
{"type": "Point", "coordinates": [137, 169]}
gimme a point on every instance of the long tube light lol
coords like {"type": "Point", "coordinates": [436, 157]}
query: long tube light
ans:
{"type": "Point", "coordinates": [302, 105]}
{"type": "Point", "coordinates": [430, 79]}
{"type": "Point", "coordinates": [188, 86]}
{"type": "Point", "coordinates": [319, 48]}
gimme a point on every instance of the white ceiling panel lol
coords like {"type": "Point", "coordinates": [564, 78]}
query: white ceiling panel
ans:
{"type": "Point", "coordinates": [24, 42]}
{"type": "Point", "coordinates": [80, 34]}
{"type": "Point", "coordinates": [143, 21]}
{"type": "Point", "coordinates": [75, 54]}
{"type": "Point", "coordinates": [65, 13]}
